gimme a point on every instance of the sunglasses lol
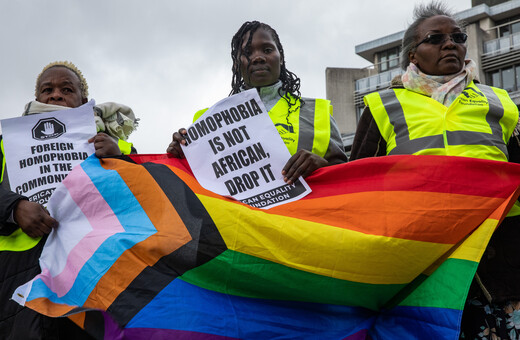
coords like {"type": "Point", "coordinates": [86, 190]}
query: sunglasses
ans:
{"type": "Point", "coordinates": [439, 38]}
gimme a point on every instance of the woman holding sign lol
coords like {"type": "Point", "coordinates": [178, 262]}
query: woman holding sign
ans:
{"type": "Point", "coordinates": [305, 124]}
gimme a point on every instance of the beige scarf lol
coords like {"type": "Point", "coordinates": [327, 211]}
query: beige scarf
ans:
{"type": "Point", "coordinates": [115, 119]}
{"type": "Point", "coordinates": [444, 89]}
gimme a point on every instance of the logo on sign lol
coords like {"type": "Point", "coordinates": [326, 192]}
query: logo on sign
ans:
{"type": "Point", "coordinates": [42, 197]}
{"type": "Point", "coordinates": [48, 128]}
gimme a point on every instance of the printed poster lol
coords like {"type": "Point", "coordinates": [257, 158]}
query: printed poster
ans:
{"type": "Point", "coordinates": [235, 150]}
{"type": "Point", "coordinates": [41, 149]}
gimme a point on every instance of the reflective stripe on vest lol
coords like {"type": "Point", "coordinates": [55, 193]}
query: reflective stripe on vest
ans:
{"type": "Point", "coordinates": [405, 145]}
{"type": "Point", "coordinates": [307, 114]}
{"type": "Point", "coordinates": [17, 241]}
{"type": "Point", "coordinates": [309, 125]}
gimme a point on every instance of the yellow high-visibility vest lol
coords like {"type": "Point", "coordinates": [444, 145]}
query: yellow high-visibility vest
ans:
{"type": "Point", "coordinates": [477, 124]}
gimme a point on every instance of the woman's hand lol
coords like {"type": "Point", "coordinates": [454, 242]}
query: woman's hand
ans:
{"type": "Point", "coordinates": [302, 163]}
{"type": "Point", "coordinates": [33, 218]}
{"type": "Point", "coordinates": [105, 145]}
{"type": "Point", "coordinates": [175, 146]}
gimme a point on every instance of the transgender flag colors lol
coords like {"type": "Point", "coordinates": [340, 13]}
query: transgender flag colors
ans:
{"type": "Point", "coordinates": [383, 248]}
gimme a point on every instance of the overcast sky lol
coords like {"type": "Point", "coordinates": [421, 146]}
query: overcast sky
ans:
{"type": "Point", "coordinates": [167, 59]}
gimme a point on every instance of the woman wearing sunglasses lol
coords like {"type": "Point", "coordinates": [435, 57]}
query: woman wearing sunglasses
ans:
{"type": "Point", "coordinates": [437, 107]}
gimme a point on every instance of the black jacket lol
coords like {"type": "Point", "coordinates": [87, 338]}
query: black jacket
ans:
{"type": "Point", "coordinates": [16, 269]}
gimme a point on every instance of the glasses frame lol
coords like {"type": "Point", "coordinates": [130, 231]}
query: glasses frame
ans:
{"type": "Point", "coordinates": [430, 36]}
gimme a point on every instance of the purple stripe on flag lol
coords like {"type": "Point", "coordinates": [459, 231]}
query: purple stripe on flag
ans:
{"type": "Point", "coordinates": [156, 333]}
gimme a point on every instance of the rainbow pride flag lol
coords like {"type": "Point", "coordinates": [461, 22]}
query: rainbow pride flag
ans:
{"type": "Point", "coordinates": [383, 248]}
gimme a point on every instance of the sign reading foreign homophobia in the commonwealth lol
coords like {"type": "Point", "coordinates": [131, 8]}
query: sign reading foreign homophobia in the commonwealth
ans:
{"type": "Point", "coordinates": [235, 150]}
{"type": "Point", "coordinates": [41, 149]}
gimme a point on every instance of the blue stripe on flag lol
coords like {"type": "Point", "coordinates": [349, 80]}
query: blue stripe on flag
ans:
{"type": "Point", "coordinates": [132, 217]}
{"type": "Point", "coordinates": [186, 307]}
{"type": "Point", "coordinates": [404, 322]}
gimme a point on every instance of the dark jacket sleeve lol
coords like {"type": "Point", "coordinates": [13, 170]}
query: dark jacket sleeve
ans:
{"type": "Point", "coordinates": [336, 152]}
{"type": "Point", "coordinates": [368, 141]}
{"type": "Point", "coordinates": [8, 201]}
{"type": "Point", "coordinates": [513, 149]}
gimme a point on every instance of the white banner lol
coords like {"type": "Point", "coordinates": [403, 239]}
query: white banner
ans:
{"type": "Point", "coordinates": [41, 149]}
{"type": "Point", "coordinates": [235, 150]}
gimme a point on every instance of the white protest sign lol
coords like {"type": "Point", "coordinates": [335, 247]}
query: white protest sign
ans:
{"type": "Point", "coordinates": [235, 150]}
{"type": "Point", "coordinates": [41, 149]}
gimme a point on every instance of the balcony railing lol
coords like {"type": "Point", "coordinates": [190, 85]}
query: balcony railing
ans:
{"type": "Point", "coordinates": [502, 45]}
{"type": "Point", "coordinates": [377, 81]}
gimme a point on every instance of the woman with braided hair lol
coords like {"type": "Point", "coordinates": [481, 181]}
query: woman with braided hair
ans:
{"type": "Point", "coordinates": [305, 124]}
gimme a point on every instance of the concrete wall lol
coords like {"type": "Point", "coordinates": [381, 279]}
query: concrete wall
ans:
{"type": "Point", "coordinates": [340, 86]}
{"type": "Point", "coordinates": [474, 45]}
{"type": "Point", "coordinates": [478, 33]}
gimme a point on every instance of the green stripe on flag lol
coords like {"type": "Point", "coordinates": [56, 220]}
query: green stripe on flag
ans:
{"type": "Point", "coordinates": [249, 276]}
{"type": "Point", "coordinates": [447, 287]}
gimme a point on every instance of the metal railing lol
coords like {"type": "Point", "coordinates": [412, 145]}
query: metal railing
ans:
{"type": "Point", "coordinates": [502, 45]}
{"type": "Point", "coordinates": [377, 81]}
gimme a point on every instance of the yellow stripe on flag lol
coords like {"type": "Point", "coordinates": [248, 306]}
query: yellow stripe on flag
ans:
{"type": "Point", "coordinates": [473, 247]}
{"type": "Point", "coordinates": [353, 256]}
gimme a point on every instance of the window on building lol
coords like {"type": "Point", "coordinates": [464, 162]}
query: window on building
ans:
{"type": "Point", "coordinates": [515, 28]}
{"type": "Point", "coordinates": [388, 59]}
{"type": "Point", "coordinates": [495, 79]}
{"type": "Point", "coordinates": [509, 33]}
{"type": "Point", "coordinates": [505, 31]}
{"type": "Point", "coordinates": [393, 59]}
{"type": "Point", "coordinates": [517, 74]}
{"type": "Point", "coordinates": [507, 78]}
{"type": "Point", "coordinates": [383, 63]}
{"type": "Point", "coordinates": [509, 26]}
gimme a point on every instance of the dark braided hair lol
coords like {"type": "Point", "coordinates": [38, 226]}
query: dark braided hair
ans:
{"type": "Point", "coordinates": [290, 82]}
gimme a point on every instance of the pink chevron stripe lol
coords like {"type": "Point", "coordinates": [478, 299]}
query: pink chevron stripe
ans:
{"type": "Point", "coordinates": [104, 224]}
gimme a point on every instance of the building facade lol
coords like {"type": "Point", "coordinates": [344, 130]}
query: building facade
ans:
{"type": "Point", "coordinates": [493, 28]}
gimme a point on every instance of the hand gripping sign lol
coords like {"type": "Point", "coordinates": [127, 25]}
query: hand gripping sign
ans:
{"type": "Point", "coordinates": [235, 150]}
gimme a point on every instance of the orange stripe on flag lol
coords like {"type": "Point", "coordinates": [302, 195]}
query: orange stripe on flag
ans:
{"type": "Point", "coordinates": [46, 307]}
{"type": "Point", "coordinates": [171, 235]}
{"type": "Point", "coordinates": [389, 213]}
